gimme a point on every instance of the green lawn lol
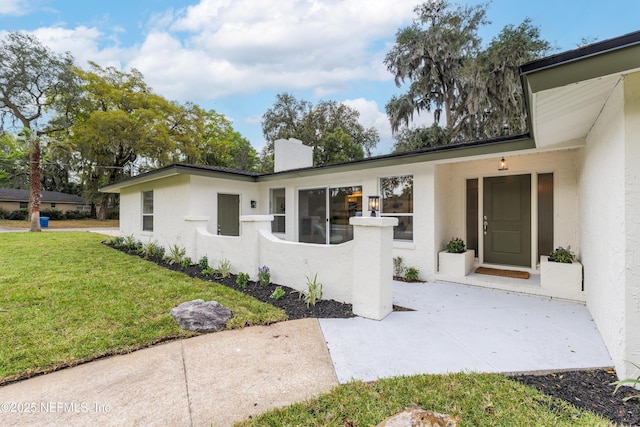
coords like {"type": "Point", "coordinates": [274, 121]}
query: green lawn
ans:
{"type": "Point", "coordinates": [65, 297]}
{"type": "Point", "coordinates": [474, 399]}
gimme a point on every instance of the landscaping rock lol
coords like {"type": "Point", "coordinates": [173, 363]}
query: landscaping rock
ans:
{"type": "Point", "coordinates": [201, 316]}
{"type": "Point", "coordinates": [416, 417]}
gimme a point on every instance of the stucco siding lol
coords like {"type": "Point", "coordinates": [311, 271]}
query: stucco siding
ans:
{"type": "Point", "coordinates": [632, 221]}
{"type": "Point", "coordinates": [602, 210]}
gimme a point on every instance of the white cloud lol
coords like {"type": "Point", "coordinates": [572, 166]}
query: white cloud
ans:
{"type": "Point", "coordinates": [14, 7]}
{"type": "Point", "coordinates": [220, 47]}
{"type": "Point", "coordinates": [371, 116]}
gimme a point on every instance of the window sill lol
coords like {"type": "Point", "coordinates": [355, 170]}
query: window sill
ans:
{"type": "Point", "coordinates": [404, 244]}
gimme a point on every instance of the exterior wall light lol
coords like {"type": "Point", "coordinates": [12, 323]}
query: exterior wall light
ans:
{"type": "Point", "coordinates": [374, 204]}
{"type": "Point", "coordinates": [254, 204]}
{"type": "Point", "coordinates": [503, 165]}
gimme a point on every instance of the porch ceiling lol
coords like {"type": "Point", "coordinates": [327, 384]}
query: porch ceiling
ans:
{"type": "Point", "coordinates": [565, 115]}
{"type": "Point", "coordinates": [567, 92]}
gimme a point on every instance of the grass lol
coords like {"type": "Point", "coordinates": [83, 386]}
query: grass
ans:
{"type": "Point", "coordinates": [473, 399]}
{"type": "Point", "coordinates": [66, 298]}
{"type": "Point", "coordinates": [64, 223]}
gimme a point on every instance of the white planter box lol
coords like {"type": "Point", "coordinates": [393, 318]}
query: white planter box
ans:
{"type": "Point", "coordinates": [563, 279]}
{"type": "Point", "coordinates": [456, 265]}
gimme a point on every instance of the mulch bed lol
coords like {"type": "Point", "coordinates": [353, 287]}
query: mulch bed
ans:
{"type": "Point", "coordinates": [587, 389]}
{"type": "Point", "coordinates": [590, 390]}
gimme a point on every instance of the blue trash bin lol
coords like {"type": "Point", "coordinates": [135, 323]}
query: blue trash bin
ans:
{"type": "Point", "coordinates": [44, 222]}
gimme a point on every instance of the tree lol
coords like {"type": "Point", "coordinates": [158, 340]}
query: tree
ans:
{"type": "Point", "coordinates": [14, 161]}
{"type": "Point", "coordinates": [477, 92]}
{"type": "Point", "coordinates": [32, 78]}
{"type": "Point", "coordinates": [411, 139]}
{"type": "Point", "coordinates": [331, 128]}
{"type": "Point", "coordinates": [434, 54]}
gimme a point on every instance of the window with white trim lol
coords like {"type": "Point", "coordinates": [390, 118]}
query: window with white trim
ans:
{"type": "Point", "coordinates": [147, 210]}
{"type": "Point", "coordinates": [397, 201]}
{"type": "Point", "coordinates": [277, 206]}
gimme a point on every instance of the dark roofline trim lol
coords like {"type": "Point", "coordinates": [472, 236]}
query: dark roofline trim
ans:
{"type": "Point", "coordinates": [598, 48]}
{"type": "Point", "coordinates": [466, 149]}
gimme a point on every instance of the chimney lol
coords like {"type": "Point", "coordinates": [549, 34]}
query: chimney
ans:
{"type": "Point", "coordinates": [291, 154]}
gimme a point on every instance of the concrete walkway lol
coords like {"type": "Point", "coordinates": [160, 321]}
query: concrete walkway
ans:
{"type": "Point", "coordinates": [217, 379]}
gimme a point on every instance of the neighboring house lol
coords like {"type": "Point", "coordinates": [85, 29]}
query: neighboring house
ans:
{"type": "Point", "coordinates": [13, 199]}
{"type": "Point", "coordinates": [573, 180]}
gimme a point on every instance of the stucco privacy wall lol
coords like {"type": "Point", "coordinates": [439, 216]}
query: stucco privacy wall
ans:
{"type": "Point", "coordinates": [451, 200]}
{"type": "Point", "coordinates": [602, 207]}
{"type": "Point", "coordinates": [632, 221]}
{"type": "Point", "coordinates": [418, 253]}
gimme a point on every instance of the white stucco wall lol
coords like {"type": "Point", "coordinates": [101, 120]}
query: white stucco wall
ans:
{"type": "Point", "coordinates": [632, 224]}
{"type": "Point", "coordinates": [602, 206]}
{"type": "Point", "coordinates": [291, 154]}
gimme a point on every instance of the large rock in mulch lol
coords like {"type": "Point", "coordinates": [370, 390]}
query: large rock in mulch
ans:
{"type": "Point", "coordinates": [416, 417]}
{"type": "Point", "coordinates": [201, 316]}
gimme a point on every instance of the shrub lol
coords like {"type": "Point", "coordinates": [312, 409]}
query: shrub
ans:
{"type": "Point", "coordinates": [456, 246]}
{"type": "Point", "coordinates": [264, 276]}
{"type": "Point", "coordinates": [412, 274]}
{"type": "Point", "coordinates": [313, 293]}
{"type": "Point", "coordinates": [176, 254]}
{"type": "Point", "coordinates": [242, 280]}
{"type": "Point", "coordinates": [53, 214]}
{"type": "Point", "coordinates": [562, 255]}
{"type": "Point", "coordinates": [113, 214]}
{"type": "Point", "coordinates": [131, 243]}
{"type": "Point", "coordinates": [116, 241]}
{"type": "Point", "coordinates": [4, 214]}
{"type": "Point", "coordinates": [19, 215]}
{"type": "Point", "coordinates": [76, 215]}
{"type": "Point", "coordinates": [186, 262]}
{"type": "Point", "coordinates": [277, 293]}
{"type": "Point", "coordinates": [208, 271]}
{"type": "Point", "coordinates": [151, 250]}
{"type": "Point", "coordinates": [398, 266]}
{"type": "Point", "coordinates": [203, 263]}
{"type": "Point", "coordinates": [224, 268]}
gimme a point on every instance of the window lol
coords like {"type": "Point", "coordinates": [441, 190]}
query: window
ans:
{"type": "Point", "coordinates": [53, 205]}
{"type": "Point", "coordinates": [147, 211]}
{"type": "Point", "coordinates": [324, 214]}
{"type": "Point", "coordinates": [397, 201]}
{"type": "Point", "coordinates": [277, 208]}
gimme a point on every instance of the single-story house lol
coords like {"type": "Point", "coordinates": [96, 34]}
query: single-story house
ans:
{"type": "Point", "coordinates": [574, 179]}
{"type": "Point", "coordinates": [12, 199]}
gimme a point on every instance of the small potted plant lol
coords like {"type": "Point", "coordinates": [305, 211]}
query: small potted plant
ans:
{"type": "Point", "coordinates": [456, 260]}
{"type": "Point", "coordinates": [561, 273]}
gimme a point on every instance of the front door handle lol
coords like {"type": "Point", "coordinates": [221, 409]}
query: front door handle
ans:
{"type": "Point", "coordinates": [485, 225]}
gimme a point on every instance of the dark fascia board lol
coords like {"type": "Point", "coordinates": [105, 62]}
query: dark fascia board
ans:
{"type": "Point", "coordinates": [447, 152]}
{"type": "Point", "coordinates": [444, 153]}
{"type": "Point", "coordinates": [599, 59]}
{"type": "Point", "coordinates": [180, 169]}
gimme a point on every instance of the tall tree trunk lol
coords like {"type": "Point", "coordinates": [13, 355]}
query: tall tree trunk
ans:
{"type": "Point", "coordinates": [34, 182]}
{"type": "Point", "coordinates": [104, 203]}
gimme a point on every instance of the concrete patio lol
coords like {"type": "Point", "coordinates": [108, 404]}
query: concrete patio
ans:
{"type": "Point", "coordinates": [463, 328]}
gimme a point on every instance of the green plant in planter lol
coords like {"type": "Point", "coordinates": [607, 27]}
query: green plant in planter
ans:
{"type": "Point", "coordinates": [456, 246]}
{"type": "Point", "coordinates": [412, 274]}
{"type": "Point", "coordinates": [562, 255]}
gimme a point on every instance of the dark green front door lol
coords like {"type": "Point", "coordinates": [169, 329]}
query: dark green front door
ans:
{"type": "Point", "coordinates": [228, 214]}
{"type": "Point", "coordinates": [507, 220]}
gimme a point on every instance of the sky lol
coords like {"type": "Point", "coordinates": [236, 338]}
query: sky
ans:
{"type": "Point", "coordinates": [235, 56]}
